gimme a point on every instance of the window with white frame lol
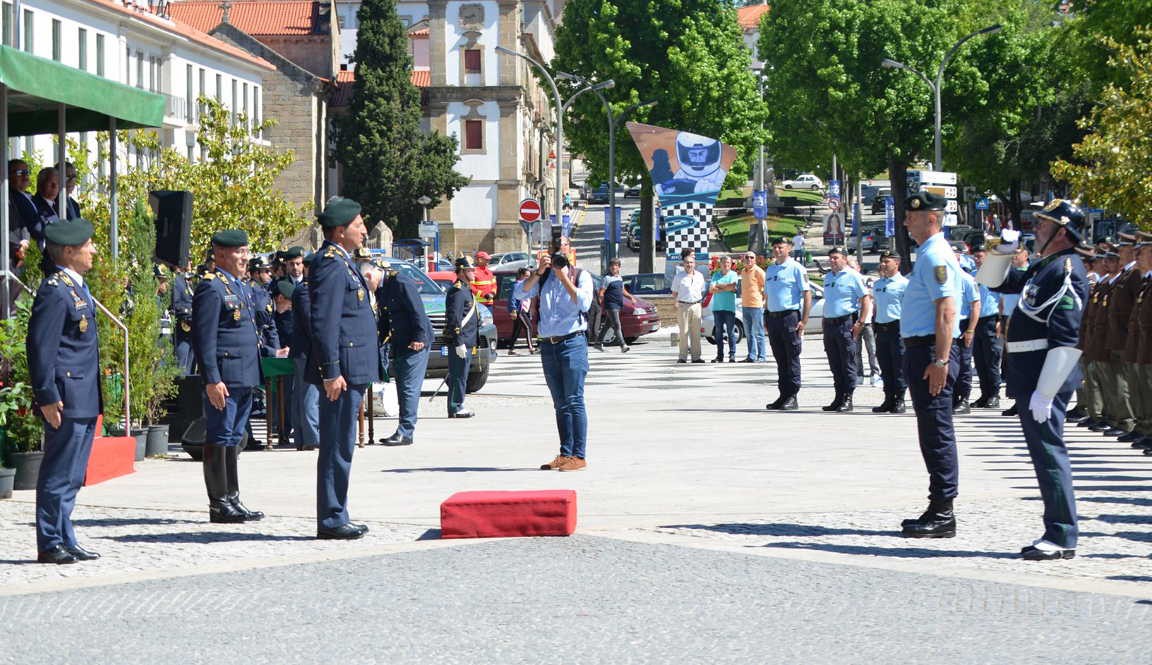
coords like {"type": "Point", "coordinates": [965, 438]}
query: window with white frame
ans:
{"type": "Point", "coordinates": [57, 38]}
{"type": "Point", "coordinates": [29, 31]}
{"type": "Point", "coordinates": [82, 49]}
{"type": "Point", "coordinates": [99, 54]}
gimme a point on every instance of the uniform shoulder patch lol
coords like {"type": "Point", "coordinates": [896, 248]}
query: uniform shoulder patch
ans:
{"type": "Point", "coordinates": [941, 274]}
{"type": "Point", "coordinates": [208, 276]}
{"type": "Point", "coordinates": [1066, 303]}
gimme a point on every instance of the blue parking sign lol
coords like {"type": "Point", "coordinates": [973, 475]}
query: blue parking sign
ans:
{"type": "Point", "coordinates": [889, 218]}
{"type": "Point", "coordinates": [759, 204]}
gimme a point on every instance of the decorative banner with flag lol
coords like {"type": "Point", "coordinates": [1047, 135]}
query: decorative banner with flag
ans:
{"type": "Point", "coordinates": [687, 171]}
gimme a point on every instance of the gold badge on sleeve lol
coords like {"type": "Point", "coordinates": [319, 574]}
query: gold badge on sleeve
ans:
{"type": "Point", "coordinates": [941, 274]}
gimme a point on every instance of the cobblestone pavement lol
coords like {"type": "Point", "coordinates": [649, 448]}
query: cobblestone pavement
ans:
{"type": "Point", "coordinates": [577, 600]}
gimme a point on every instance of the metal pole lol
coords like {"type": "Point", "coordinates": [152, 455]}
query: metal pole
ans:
{"type": "Point", "coordinates": [113, 199]}
{"type": "Point", "coordinates": [5, 296]}
{"type": "Point", "coordinates": [61, 161]}
{"type": "Point", "coordinates": [939, 162]}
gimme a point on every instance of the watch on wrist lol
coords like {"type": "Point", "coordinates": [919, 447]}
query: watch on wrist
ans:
{"type": "Point", "coordinates": [940, 362]}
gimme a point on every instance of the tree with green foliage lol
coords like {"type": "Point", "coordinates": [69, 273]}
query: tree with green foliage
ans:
{"type": "Point", "coordinates": [688, 55]}
{"type": "Point", "coordinates": [389, 162]}
{"type": "Point", "coordinates": [1112, 166]}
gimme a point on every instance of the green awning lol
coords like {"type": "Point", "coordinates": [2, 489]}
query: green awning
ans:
{"type": "Point", "coordinates": [37, 87]}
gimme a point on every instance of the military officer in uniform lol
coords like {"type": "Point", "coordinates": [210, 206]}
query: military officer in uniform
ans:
{"type": "Point", "coordinates": [930, 326]}
{"type": "Point", "coordinates": [1042, 339]}
{"type": "Point", "coordinates": [1095, 342]}
{"type": "Point", "coordinates": [986, 340]}
{"type": "Point", "coordinates": [259, 277]}
{"type": "Point", "coordinates": [182, 312]}
{"type": "Point", "coordinates": [408, 330]}
{"type": "Point", "coordinates": [1122, 299]}
{"type": "Point", "coordinates": [888, 295]}
{"type": "Point", "coordinates": [305, 396]}
{"type": "Point", "coordinates": [847, 305]}
{"type": "Point", "coordinates": [787, 303]}
{"type": "Point", "coordinates": [64, 369]}
{"type": "Point", "coordinates": [461, 334]}
{"type": "Point", "coordinates": [344, 362]}
{"type": "Point", "coordinates": [227, 344]}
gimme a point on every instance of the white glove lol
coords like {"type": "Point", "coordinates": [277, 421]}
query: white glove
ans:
{"type": "Point", "coordinates": [461, 351]}
{"type": "Point", "coordinates": [1009, 241]}
{"type": "Point", "coordinates": [1041, 406]}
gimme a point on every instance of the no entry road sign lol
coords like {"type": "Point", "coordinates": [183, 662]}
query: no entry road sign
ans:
{"type": "Point", "coordinates": [530, 210]}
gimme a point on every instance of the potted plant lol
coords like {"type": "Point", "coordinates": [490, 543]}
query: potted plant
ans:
{"type": "Point", "coordinates": [19, 419]}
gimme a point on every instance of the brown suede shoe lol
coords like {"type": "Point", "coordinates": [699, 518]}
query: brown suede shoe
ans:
{"type": "Point", "coordinates": [573, 464]}
{"type": "Point", "coordinates": [554, 464]}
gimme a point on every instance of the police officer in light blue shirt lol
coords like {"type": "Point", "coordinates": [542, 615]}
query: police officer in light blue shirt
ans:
{"type": "Point", "coordinates": [929, 324]}
{"type": "Point", "coordinates": [847, 304]}
{"type": "Point", "coordinates": [969, 316]}
{"type": "Point", "coordinates": [888, 295]}
{"type": "Point", "coordinates": [787, 299]}
{"type": "Point", "coordinates": [986, 347]}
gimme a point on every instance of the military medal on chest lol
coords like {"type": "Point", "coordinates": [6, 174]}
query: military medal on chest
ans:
{"type": "Point", "coordinates": [360, 294]}
{"type": "Point", "coordinates": [83, 324]}
{"type": "Point", "coordinates": [236, 314]}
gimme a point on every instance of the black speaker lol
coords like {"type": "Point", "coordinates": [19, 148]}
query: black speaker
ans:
{"type": "Point", "coordinates": [173, 213]}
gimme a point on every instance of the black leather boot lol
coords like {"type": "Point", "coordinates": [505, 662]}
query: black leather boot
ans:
{"type": "Point", "coordinates": [846, 404]}
{"type": "Point", "coordinates": [789, 404]}
{"type": "Point", "coordinates": [939, 521]}
{"type": "Point", "coordinates": [898, 404]}
{"type": "Point", "coordinates": [836, 403]}
{"type": "Point", "coordinates": [961, 407]}
{"type": "Point", "coordinates": [220, 509]}
{"type": "Point", "coordinates": [885, 406]}
{"type": "Point", "coordinates": [230, 456]}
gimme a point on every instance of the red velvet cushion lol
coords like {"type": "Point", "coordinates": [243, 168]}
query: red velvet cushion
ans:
{"type": "Point", "coordinates": [497, 514]}
{"type": "Point", "coordinates": [112, 456]}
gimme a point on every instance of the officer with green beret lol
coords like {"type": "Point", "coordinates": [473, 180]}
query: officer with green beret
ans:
{"type": "Point", "coordinates": [226, 342]}
{"type": "Point", "coordinates": [344, 362]}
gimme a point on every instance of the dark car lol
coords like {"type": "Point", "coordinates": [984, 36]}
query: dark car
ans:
{"type": "Point", "coordinates": [637, 318]}
{"type": "Point", "coordinates": [632, 236]}
{"type": "Point", "coordinates": [648, 284]}
{"type": "Point", "coordinates": [599, 195]}
{"type": "Point", "coordinates": [432, 295]}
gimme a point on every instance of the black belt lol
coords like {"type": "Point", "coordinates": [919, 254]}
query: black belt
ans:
{"type": "Point", "coordinates": [837, 320]}
{"type": "Point", "coordinates": [780, 315]}
{"type": "Point", "coordinates": [687, 302]}
{"type": "Point", "coordinates": [923, 340]}
{"type": "Point", "coordinates": [557, 340]}
{"type": "Point", "coordinates": [892, 325]}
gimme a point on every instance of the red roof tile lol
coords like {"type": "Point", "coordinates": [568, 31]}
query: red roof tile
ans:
{"type": "Point", "coordinates": [346, 78]}
{"type": "Point", "coordinates": [749, 17]}
{"type": "Point", "coordinates": [255, 17]}
{"type": "Point", "coordinates": [189, 32]}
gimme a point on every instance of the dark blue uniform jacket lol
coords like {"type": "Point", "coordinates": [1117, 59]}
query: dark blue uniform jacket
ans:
{"type": "Point", "coordinates": [224, 331]}
{"type": "Point", "coordinates": [457, 303]}
{"type": "Point", "coordinates": [402, 313]}
{"type": "Point", "coordinates": [63, 349]}
{"type": "Point", "coordinates": [343, 326]}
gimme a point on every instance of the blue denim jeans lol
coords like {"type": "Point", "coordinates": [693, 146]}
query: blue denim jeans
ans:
{"type": "Point", "coordinates": [754, 330]}
{"type": "Point", "coordinates": [724, 330]}
{"type": "Point", "coordinates": [565, 366]}
{"type": "Point", "coordinates": [408, 367]}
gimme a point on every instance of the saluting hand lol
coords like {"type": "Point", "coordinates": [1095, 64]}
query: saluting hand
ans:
{"type": "Point", "coordinates": [217, 392]}
{"type": "Point", "coordinates": [54, 414]}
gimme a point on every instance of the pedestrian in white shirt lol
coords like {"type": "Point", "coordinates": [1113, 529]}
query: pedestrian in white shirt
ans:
{"type": "Point", "coordinates": [688, 286]}
{"type": "Point", "coordinates": [798, 247]}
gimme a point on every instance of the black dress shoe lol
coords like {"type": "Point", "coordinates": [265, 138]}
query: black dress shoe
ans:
{"type": "Point", "coordinates": [698, 360]}
{"type": "Point", "coordinates": [981, 403]}
{"type": "Point", "coordinates": [885, 406]}
{"type": "Point", "coordinates": [898, 406]}
{"type": "Point", "coordinates": [249, 515]}
{"type": "Point", "coordinates": [1100, 426]}
{"type": "Point", "coordinates": [1130, 437]}
{"type": "Point", "coordinates": [1011, 412]}
{"type": "Point", "coordinates": [1087, 422]}
{"type": "Point", "coordinates": [718, 360]}
{"type": "Point", "coordinates": [82, 554]}
{"type": "Point", "coordinates": [342, 532]}
{"type": "Point", "coordinates": [835, 405]}
{"type": "Point", "coordinates": [1032, 553]}
{"type": "Point", "coordinates": [362, 527]}
{"type": "Point", "coordinates": [937, 525]}
{"type": "Point", "coordinates": [222, 511]}
{"type": "Point", "coordinates": [462, 413]}
{"type": "Point", "coordinates": [961, 408]}
{"type": "Point", "coordinates": [993, 402]}
{"type": "Point", "coordinates": [845, 406]}
{"type": "Point", "coordinates": [1143, 443]}
{"type": "Point", "coordinates": [1077, 413]}
{"type": "Point", "coordinates": [790, 404]}
{"type": "Point", "coordinates": [58, 555]}
{"type": "Point", "coordinates": [748, 360]}
{"type": "Point", "coordinates": [1115, 431]}
{"type": "Point", "coordinates": [775, 406]}
{"type": "Point", "coordinates": [397, 439]}
{"type": "Point", "coordinates": [681, 361]}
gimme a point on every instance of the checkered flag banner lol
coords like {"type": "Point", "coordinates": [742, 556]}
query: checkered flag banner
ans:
{"type": "Point", "coordinates": [686, 223]}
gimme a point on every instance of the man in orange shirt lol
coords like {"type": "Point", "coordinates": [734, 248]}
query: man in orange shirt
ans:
{"type": "Point", "coordinates": [484, 283]}
{"type": "Point", "coordinates": [752, 308]}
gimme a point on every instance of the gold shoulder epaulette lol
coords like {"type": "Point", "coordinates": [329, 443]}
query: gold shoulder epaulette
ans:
{"type": "Point", "coordinates": [208, 276]}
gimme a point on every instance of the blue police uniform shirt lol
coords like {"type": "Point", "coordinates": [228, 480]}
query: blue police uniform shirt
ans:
{"type": "Point", "coordinates": [969, 293]}
{"type": "Point", "coordinates": [345, 340]}
{"type": "Point", "coordinates": [62, 346]}
{"type": "Point", "coordinates": [935, 275]}
{"type": "Point", "coordinates": [784, 286]}
{"type": "Point", "coordinates": [888, 292]}
{"type": "Point", "coordinates": [559, 313]}
{"type": "Point", "coordinates": [1053, 292]}
{"type": "Point", "coordinates": [989, 302]}
{"type": "Point", "coordinates": [224, 334]}
{"type": "Point", "coordinates": [842, 293]}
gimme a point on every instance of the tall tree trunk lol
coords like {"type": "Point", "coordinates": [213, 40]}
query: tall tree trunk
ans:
{"type": "Point", "coordinates": [898, 177]}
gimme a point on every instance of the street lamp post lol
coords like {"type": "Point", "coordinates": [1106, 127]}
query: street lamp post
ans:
{"type": "Point", "coordinates": [559, 104]}
{"type": "Point", "coordinates": [938, 85]}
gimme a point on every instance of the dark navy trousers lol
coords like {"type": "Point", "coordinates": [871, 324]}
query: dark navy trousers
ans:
{"type": "Point", "coordinates": [226, 427]}
{"type": "Point", "coordinates": [934, 418]}
{"type": "Point", "coordinates": [62, 472]}
{"type": "Point", "coordinates": [1053, 470]}
{"type": "Point", "coordinates": [334, 465]}
{"type": "Point", "coordinates": [408, 368]}
{"type": "Point", "coordinates": [964, 379]}
{"type": "Point", "coordinates": [986, 350]}
{"type": "Point", "coordinates": [457, 379]}
{"type": "Point", "coordinates": [785, 343]}
{"type": "Point", "coordinates": [841, 350]}
{"type": "Point", "coordinates": [890, 354]}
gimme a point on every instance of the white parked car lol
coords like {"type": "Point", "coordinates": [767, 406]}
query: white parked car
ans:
{"type": "Point", "coordinates": [807, 181]}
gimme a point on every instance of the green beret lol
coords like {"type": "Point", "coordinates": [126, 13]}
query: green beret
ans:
{"type": "Point", "coordinates": [294, 252]}
{"type": "Point", "coordinates": [230, 238]}
{"type": "Point", "coordinates": [339, 212]}
{"type": "Point", "coordinates": [257, 263]}
{"type": "Point", "coordinates": [72, 233]}
{"type": "Point", "coordinates": [285, 288]}
{"type": "Point", "coordinates": [463, 263]}
{"type": "Point", "coordinates": [925, 201]}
